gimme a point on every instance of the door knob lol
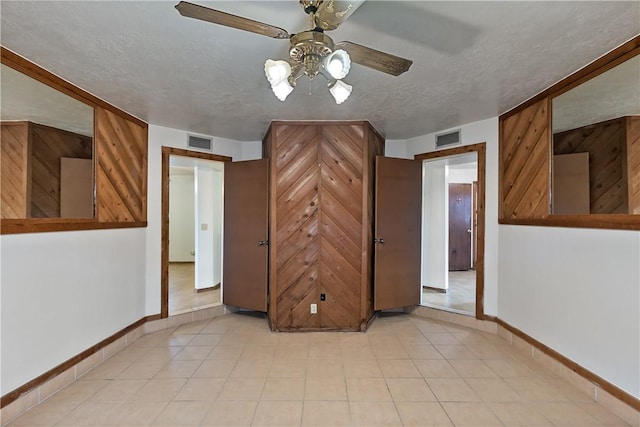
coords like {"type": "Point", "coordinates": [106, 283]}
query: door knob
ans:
{"type": "Point", "coordinates": [469, 231]}
{"type": "Point", "coordinates": [381, 240]}
{"type": "Point", "coordinates": [263, 243]}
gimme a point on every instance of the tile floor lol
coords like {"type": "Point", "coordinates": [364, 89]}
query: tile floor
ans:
{"type": "Point", "coordinates": [405, 370]}
{"type": "Point", "coordinates": [460, 297]}
{"type": "Point", "coordinates": [182, 297]}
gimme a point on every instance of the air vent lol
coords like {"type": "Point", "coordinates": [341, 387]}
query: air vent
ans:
{"type": "Point", "coordinates": [449, 138]}
{"type": "Point", "coordinates": [199, 142]}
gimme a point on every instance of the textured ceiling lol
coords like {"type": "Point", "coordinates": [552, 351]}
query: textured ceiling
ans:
{"type": "Point", "coordinates": [472, 60]}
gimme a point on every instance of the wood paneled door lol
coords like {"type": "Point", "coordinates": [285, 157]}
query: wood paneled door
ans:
{"type": "Point", "coordinates": [398, 224]}
{"type": "Point", "coordinates": [246, 234]}
{"type": "Point", "coordinates": [460, 227]}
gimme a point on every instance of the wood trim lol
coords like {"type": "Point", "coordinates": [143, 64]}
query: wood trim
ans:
{"type": "Point", "coordinates": [609, 60]}
{"type": "Point", "coordinates": [40, 225]}
{"type": "Point", "coordinates": [481, 150]}
{"type": "Point", "coordinates": [69, 363]}
{"type": "Point", "coordinates": [167, 152]}
{"type": "Point", "coordinates": [575, 367]}
{"type": "Point", "coordinates": [23, 65]}
{"type": "Point", "coordinates": [615, 222]}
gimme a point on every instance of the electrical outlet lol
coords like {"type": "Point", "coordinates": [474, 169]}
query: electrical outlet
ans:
{"type": "Point", "coordinates": [314, 308]}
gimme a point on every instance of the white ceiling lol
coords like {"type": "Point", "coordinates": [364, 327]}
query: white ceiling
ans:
{"type": "Point", "coordinates": [472, 60]}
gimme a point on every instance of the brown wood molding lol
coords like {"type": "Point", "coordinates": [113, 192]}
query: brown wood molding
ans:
{"type": "Point", "coordinates": [20, 63]}
{"type": "Point", "coordinates": [621, 222]}
{"type": "Point", "coordinates": [575, 367]}
{"type": "Point", "coordinates": [41, 379]}
{"type": "Point", "coordinates": [628, 50]}
{"type": "Point", "coordinates": [167, 152]}
{"type": "Point", "coordinates": [481, 150]}
{"type": "Point", "coordinates": [40, 225]}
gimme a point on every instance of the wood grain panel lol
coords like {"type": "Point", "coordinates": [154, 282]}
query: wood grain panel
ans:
{"type": "Point", "coordinates": [524, 163]}
{"type": "Point", "coordinates": [606, 144]}
{"type": "Point", "coordinates": [15, 174]}
{"type": "Point", "coordinates": [633, 163]}
{"type": "Point", "coordinates": [121, 150]}
{"type": "Point", "coordinates": [48, 146]}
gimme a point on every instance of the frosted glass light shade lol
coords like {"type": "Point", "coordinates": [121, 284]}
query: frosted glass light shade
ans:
{"type": "Point", "coordinates": [276, 71]}
{"type": "Point", "coordinates": [340, 91]}
{"type": "Point", "coordinates": [338, 64]}
{"type": "Point", "coordinates": [282, 89]}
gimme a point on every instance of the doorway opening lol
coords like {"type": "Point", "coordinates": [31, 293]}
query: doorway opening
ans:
{"type": "Point", "coordinates": [452, 273]}
{"type": "Point", "coordinates": [192, 224]}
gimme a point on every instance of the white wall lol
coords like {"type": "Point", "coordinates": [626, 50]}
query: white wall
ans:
{"type": "Point", "coordinates": [209, 227]}
{"type": "Point", "coordinates": [182, 213]}
{"type": "Point", "coordinates": [473, 133]}
{"type": "Point", "coordinates": [435, 225]}
{"type": "Point", "coordinates": [577, 291]}
{"type": "Point", "coordinates": [158, 137]}
{"type": "Point", "coordinates": [63, 292]}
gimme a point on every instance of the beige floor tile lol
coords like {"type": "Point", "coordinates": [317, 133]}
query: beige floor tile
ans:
{"type": "Point", "coordinates": [47, 413]}
{"type": "Point", "coordinates": [272, 413]}
{"type": "Point", "coordinates": [90, 414]}
{"type": "Point", "coordinates": [442, 338]}
{"type": "Point", "coordinates": [374, 414]}
{"type": "Point", "coordinates": [452, 390]}
{"type": "Point", "coordinates": [251, 368]}
{"type": "Point", "coordinates": [178, 369]}
{"type": "Point", "coordinates": [214, 368]}
{"type": "Point", "coordinates": [367, 390]}
{"type": "Point", "coordinates": [118, 390]}
{"type": "Point", "coordinates": [451, 352]}
{"type": "Point", "coordinates": [242, 389]}
{"type": "Point", "coordinates": [426, 414]}
{"type": "Point", "coordinates": [294, 368]}
{"type": "Point", "coordinates": [325, 351]}
{"type": "Point", "coordinates": [329, 388]}
{"type": "Point", "coordinates": [136, 414]}
{"type": "Point", "coordinates": [108, 370]}
{"type": "Point", "coordinates": [160, 354]}
{"type": "Point", "coordinates": [508, 368]}
{"type": "Point", "coordinates": [471, 414]}
{"type": "Point", "coordinates": [472, 369]}
{"type": "Point", "coordinates": [192, 328]}
{"type": "Point", "coordinates": [291, 351]}
{"type": "Point", "coordinates": [159, 390]}
{"type": "Point", "coordinates": [195, 352]}
{"type": "Point", "coordinates": [535, 389]}
{"type": "Point", "coordinates": [141, 370]}
{"type": "Point", "coordinates": [357, 352]}
{"type": "Point", "coordinates": [362, 368]}
{"type": "Point", "coordinates": [183, 414]}
{"type": "Point", "coordinates": [601, 414]}
{"type": "Point", "coordinates": [392, 368]}
{"type": "Point", "coordinates": [206, 339]}
{"type": "Point", "coordinates": [423, 352]}
{"type": "Point", "coordinates": [566, 414]}
{"type": "Point", "coordinates": [205, 389]}
{"type": "Point", "coordinates": [437, 368]}
{"type": "Point", "coordinates": [234, 413]}
{"type": "Point", "coordinates": [389, 352]}
{"type": "Point", "coordinates": [326, 413]}
{"type": "Point", "coordinates": [519, 415]}
{"type": "Point", "coordinates": [325, 368]}
{"type": "Point", "coordinates": [228, 352]}
{"type": "Point", "coordinates": [79, 391]}
{"type": "Point", "coordinates": [493, 390]}
{"type": "Point", "coordinates": [410, 390]}
{"type": "Point", "coordinates": [283, 389]}
{"type": "Point", "coordinates": [259, 352]}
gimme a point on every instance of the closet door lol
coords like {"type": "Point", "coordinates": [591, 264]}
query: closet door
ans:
{"type": "Point", "coordinates": [398, 206]}
{"type": "Point", "coordinates": [246, 234]}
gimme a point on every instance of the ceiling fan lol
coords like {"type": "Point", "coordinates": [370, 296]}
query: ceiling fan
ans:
{"type": "Point", "coordinates": [311, 52]}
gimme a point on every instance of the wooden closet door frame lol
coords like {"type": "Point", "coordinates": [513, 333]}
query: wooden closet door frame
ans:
{"type": "Point", "coordinates": [480, 149]}
{"type": "Point", "coordinates": [167, 152]}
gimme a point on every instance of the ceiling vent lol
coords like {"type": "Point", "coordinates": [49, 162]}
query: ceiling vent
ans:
{"type": "Point", "coordinates": [199, 142]}
{"type": "Point", "coordinates": [449, 138]}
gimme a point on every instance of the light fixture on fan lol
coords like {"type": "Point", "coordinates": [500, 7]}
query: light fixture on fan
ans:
{"type": "Point", "coordinates": [312, 53]}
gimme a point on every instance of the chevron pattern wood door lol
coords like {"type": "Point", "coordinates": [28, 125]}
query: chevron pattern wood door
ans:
{"type": "Point", "coordinates": [524, 163]}
{"type": "Point", "coordinates": [633, 163]}
{"type": "Point", "coordinates": [121, 174]}
{"type": "Point", "coordinates": [321, 224]}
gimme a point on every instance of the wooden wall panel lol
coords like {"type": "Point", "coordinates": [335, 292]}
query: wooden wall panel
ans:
{"type": "Point", "coordinates": [121, 171]}
{"type": "Point", "coordinates": [524, 163]}
{"type": "Point", "coordinates": [15, 175]}
{"type": "Point", "coordinates": [606, 144]}
{"type": "Point", "coordinates": [633, 163]}
{"type": "Point", "coordinates": [48, 146]}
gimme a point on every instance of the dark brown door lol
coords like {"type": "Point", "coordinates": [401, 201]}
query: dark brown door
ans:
{"type": "Point", "coordinates": [397, 233]}
{"type": "Point", "coordinates": [459, 227]}
{"type": "Point", "coordinates": [246, 219]}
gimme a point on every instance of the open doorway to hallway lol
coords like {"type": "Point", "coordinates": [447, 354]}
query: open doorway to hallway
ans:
{"type": "Point", "coordinates": [452, 236]}
{"type": "Point", "coordinates": [192, 231]}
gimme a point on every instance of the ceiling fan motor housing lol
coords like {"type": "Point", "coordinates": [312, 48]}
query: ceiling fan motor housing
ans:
{"type": "Point", "coordinates": [310, 43]}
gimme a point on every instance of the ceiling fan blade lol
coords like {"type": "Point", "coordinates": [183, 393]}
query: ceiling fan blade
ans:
{"type": "Point", "coordinates": [332, 13]}
{"type": "Point", "coordinates": [202, 13]}
{"type": "Point", "coordinates": [375, 59]}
